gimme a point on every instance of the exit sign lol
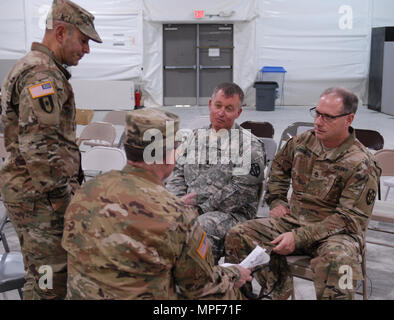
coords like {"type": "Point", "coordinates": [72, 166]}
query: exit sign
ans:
{"type": "Point", "coordinates": [199, 14]}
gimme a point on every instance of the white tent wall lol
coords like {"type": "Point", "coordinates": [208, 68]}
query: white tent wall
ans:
{"type": "Point", "coordinates": [383, 13]}
{"type": "Point", "coordinates": [239, 12]}
{"type": "Point", "coordinates": [320, 43]}
{"type": "Point", "coordinates": [12, 29]}
{"type": "Point", "coordinates": [104, 78]}
{"type": "Point", "coordinates": [152, 73]}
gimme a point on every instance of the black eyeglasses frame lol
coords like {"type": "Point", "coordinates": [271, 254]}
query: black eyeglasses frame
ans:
{"type": "Point", "coordinates": [314, 113]}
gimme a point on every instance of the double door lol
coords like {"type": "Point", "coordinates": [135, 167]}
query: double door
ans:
{"type": "Point", "coordinates": [197, 57]}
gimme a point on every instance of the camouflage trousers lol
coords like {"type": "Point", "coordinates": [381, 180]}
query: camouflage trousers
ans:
{"type": "Point", "coordinates": [327, 255]}
{"type": "Point", "coordinates": [216, 224]}
{"type": "Point", "coordinates": [39, 226]}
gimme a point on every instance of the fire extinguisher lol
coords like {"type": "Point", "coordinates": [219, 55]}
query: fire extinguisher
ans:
{"type": "Point", "coordinates": [137, 98]}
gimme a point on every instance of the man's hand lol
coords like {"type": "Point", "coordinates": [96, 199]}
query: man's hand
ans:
{"type": "Point", "coordinates": [286, 243]}
{"type": "Point", "coordinates": [245, 276]}
{"type": "Point", "coordinates": [279, 211]}
{"type": "Point", "coordinates": [189, 199]}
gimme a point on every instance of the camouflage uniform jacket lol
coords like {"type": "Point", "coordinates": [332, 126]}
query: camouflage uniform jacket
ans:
{"type": "Point", "coordinates": [127, 237]}
{"type": "Point", "coordinates": [333, 190]}
{"type": "Point", "coordinates": [38, 114]}
{"type": "Point", "coordinates": [216, 185]}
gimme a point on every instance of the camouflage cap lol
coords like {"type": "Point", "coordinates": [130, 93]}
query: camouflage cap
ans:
{"type": "Point", "coordinates": [68, 11]}
{"type": "Point", "coordinates": [140, 120]}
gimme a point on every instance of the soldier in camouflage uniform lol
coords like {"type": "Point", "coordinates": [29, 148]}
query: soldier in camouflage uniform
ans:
{"type": "Point", "coordinates": [43, 169]}
{"type": "Point", "coordinates": [127, 237]}
{"type": "Point", "coordinates": [334, 180]}
{"type": "Point", "coordinates": [223, 196]}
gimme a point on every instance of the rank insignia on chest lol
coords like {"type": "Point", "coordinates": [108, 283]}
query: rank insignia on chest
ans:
{"type": "Point", "coordinates": [203, 247]}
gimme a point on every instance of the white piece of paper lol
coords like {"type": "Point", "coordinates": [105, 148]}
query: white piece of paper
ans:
{"type": "Point", "coordinates": [256, 258]}
{"type": "Point", "coordinates": [213, 52]}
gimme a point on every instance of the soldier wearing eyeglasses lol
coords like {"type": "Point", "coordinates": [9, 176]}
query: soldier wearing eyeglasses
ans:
{"type": "Point", "coordinates": [334, 181]}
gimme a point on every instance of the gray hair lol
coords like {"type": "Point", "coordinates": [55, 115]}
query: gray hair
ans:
{"type": "Point", "coordinates": [349, 99]}
{"type": "Point", "coordinates": [229, 89]}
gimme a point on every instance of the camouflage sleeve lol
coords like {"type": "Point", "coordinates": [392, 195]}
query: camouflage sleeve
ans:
{"type": "Point", "coordinates": [195, 273]}
{"type": "Point", "coordinates": [353, 211]}
{"type": "Point", "coordinates": [242, 188]}
{"type": "Point", "coordinates": [39, 116]}
{"type": "Point", "coordinates": [176, 181]}
{"type": "Point", "coordinates": [279, 182]}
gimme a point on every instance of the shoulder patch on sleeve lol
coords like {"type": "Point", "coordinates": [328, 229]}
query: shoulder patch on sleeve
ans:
{"type": "Point", "coordinates": [203, 247]}
{"type": "Point", "coordinates": [255, 170]}
{"type": "Point", "coordinates": [41, 90]}
{"type": "Point", "coordinates": [370, 196]}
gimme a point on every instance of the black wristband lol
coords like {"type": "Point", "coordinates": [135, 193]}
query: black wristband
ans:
{"type": "Point", "coordinates": [200, 212]}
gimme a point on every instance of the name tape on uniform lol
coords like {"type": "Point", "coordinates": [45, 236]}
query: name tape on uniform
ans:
{"type": "Point", "coordinates": [41, 90]}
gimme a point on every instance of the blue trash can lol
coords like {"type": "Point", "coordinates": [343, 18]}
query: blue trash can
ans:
{"type": "Point", "coordinates": [265, 95]}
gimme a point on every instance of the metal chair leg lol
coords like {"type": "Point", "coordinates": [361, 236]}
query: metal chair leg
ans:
{"type": "Point", "coordinates": [20, 293]}
{"type": "Point", "coordinates": [387, 193]}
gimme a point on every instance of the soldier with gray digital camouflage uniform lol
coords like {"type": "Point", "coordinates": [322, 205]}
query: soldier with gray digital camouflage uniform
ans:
{"type": "Point", "coordinates": [334, 180]}
{"type": "Point", "coordinates": [224, 192]}
{"type": "Point", "coordinates": [43, 169]}
{"type": "Point", "coordinates": [127, 237]}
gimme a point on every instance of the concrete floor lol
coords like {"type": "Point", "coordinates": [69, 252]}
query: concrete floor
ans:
{"type": "Point", "coordinates": [380, 259]}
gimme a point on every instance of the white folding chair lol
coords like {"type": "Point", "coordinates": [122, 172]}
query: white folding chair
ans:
{"type": "Point", "coordinates": [100, 159]}
{"type": "Point", "coordinates": [99, 134]}
{"type": "Point", "coordinates": [116, 117]}
{"type": "Point", "coordinates": [292, 130]}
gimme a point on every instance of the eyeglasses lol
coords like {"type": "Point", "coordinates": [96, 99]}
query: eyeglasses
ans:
{"type": "Point", "coordinates": [325, 117]}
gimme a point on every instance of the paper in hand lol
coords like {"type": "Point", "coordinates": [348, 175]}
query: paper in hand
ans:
{"type": "Point", "coordinates": [256, 258]}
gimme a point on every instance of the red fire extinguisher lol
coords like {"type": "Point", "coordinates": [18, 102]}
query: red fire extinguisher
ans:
{"type": "Point", "coordinates": [137, 98]}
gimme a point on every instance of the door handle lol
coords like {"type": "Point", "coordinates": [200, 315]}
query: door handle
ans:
{"type": "Point", "coordinates": [215, 67]}
{"type": "Point", "coordinates": [180, 67]}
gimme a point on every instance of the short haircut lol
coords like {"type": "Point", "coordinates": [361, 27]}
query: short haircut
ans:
{"type": "Point", "coordinates": [349, 99]}
{"type": "Point", "coordinates": [229, 89]}
{"type": "Point", "coordinates": [137, 155]}
{"type": "Point", "coordinates": [68, 26]}
{"type": "Point", "coordinates": [133, 154]}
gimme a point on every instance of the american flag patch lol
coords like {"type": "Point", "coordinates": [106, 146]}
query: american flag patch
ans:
{"type": "Point", "coordinates": [203, 247]}
{"type": "Point", "coordinates": [41, 90]}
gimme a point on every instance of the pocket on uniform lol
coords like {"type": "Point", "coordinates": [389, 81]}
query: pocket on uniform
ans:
{"type": "Point", "coordinates": [321, 186]}
{"type": "Point", "coordinates": [299, 175]}
{"type": "Point", "coordinates": [20, 212]}
{"type": "Point", "coordinates": [59, 204]}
